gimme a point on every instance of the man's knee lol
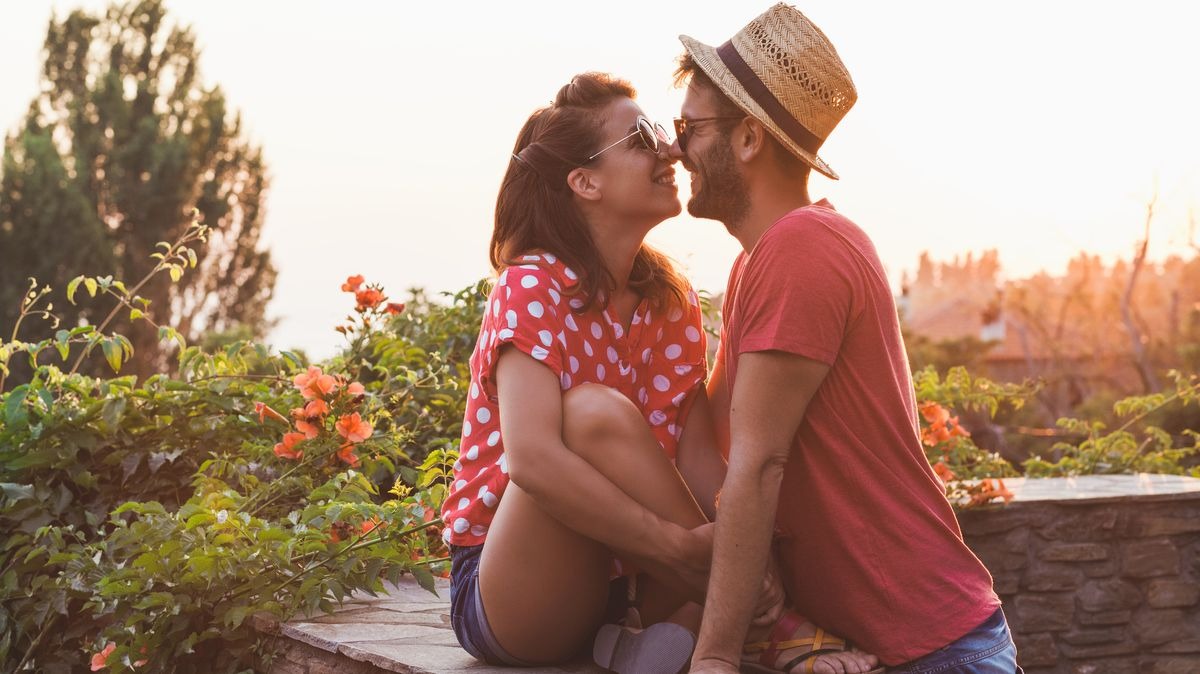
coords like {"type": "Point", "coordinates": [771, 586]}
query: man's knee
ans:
{"type": "Point", "coordinates": [594, 413]}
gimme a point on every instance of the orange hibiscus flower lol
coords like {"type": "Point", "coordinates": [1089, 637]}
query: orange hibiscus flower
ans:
{"type": "Point", "coordinates": [355, 389]}
{"type": "Point", "coordinates": [314, 383]}
{"type": "Point", "coordinates": [353, 428]}
{"type": "Point", "coordinates": [287, 448]}
{"type": "Point", "coordinates": [100, 660]}
{"type": "Point", "coordinates": [264, 410]}
{"type": "Point", "coordinates": [394, 308]}
{"type": "Point", "coordinates": [347, 455]}
{"type": "Point", "coordinates": [309, 429]}
{"type": "Point", "coordinates": [316, 408]}
{"type": "Point", "coordinates": [352, 283]}
{"type": "Point", "coordinates": [369, 298]}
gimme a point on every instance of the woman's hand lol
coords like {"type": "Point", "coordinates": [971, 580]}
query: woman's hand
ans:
{"type": "Point", "coordinates": [772, 599]}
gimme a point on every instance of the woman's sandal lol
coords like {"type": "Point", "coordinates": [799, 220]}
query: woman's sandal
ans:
{"type": "Point", "coordinates": [763, 656]}
{"type": "Point", "coordinates": [662, 648]}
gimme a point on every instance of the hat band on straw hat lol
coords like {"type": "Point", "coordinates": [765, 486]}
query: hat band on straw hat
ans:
{"type": "Point", "coordinates": [758, 91]}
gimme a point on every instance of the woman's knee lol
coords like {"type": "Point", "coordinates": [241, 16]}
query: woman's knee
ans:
{"type": "Point", "coordinates": [593, 413]}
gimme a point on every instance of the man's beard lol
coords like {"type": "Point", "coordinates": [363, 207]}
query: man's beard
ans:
{"type": "Point", "coordinates": [722, 194]}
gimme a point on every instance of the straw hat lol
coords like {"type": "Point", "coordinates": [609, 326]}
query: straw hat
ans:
{"type": "Point", "coordinates": [783, 71]}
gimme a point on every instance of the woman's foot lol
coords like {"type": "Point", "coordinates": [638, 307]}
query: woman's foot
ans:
{"type": "Point", "coordinates": [793, 645]}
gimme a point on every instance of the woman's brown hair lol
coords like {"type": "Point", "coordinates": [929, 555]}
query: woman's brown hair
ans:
{"type": "Point", "coordinates": [535, 210]}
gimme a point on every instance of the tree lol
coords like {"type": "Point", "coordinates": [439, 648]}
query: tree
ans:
{"type": "Point", "coordinates": [119, 146]}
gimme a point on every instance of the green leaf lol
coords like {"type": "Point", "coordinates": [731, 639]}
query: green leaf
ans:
{"type": "Point", "coordinates": [71, 286]}
{"type": "Point", "coordinates": [16, 492]}
{"type": "Point", "coordinates": [176, 273]}
{"type": "Point", "coordinates": [62, 342]}
{"type": "Point", "coordinates": [135, 314]}
{"type": "Point", "coordinates": [191, 257]}
{"type": "Point", "coordinates": [113, 410]}
{"type": "Point", "coordinates": [424, 578]}
{"type": "Point", "coordinates": [113, 353]}
{"type": "Point", "coordinates": [90, 284]}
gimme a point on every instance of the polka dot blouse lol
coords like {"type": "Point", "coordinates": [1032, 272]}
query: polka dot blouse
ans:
{"type": "Point", "coordinates": [657, 365]}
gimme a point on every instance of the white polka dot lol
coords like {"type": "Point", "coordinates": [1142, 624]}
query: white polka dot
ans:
{"type": "Point", "coordinates": [672, 429]}
{"type": "Point", "coordinates": [467, 428]}
{"type": "Point", "coordinates": [569, 273]}
{"type": "Point", "coordinates": [493, 439]}
{"type": "Point", "coordinates": [446, 535]}
{"type": "Point", "coordinates": [510, 317]}
{"type": "Point", "coordinates": [633, 376]}
{"type": "Point", "coordinates": [693, 298]}
{"type": "Point", "coordinates": [458, 466]}
{"type": "Point", "coordinates": [531, 258]}
{"type": "Point", "coordinates": [483, 415]}
{"type": "Point", "coordinates": [646, 356]}
{"type": "Point", "coordinates": [536, 309]}
{"type": "Point", "coordinates": [648, 316]}
{"type": "Point", "coordinates": [507, 292]}
{"type": "Point", "coordinates": [546, 336]}
{"type": "Point", "coordinates": [618, 330]}
{"type": "Point", "coordinates": [570, 321]}
{"type": "Point", "coordinates": [625, 369]}
{"type": "Point", "coordinates": [576, 303]}
{"type": "Point", "coordinates": [482, 490]}
{"type": "Point", "coordinates": [574, 363]}
{"type": "Point", "coordinates": [675, 315]}
{"type": "Point", "coordinates": [642, 396]}
{"type": "Point", "coordinates": [673, 351]}
{"type": "Point", "coordinates": [562, 338]}
{"type": "Point", "coordinates": [530, 267]}
{"type": "Point", "coordinates": [587, 348]}
{"type": "Point", "coordinates": [504, 335]}
{"type": "Point", "coordinates": [474, 390]}
{"type": "Point", "coordinates": [682, 369]}
{"type": "Point", "coordinates": [460, 485]}
{"type": "Point", "coordinates": [490, 500]}
{"type": "Point", "coordinates": [600, 371]}
{"type": "Point", "coordinates": [495, 307]}
{"type": "Point", "coordinates": [597, 331]}
{"type": "Point", "coordinates": [463, 503]}
{"type": "Point", "coordinates": [612, 355]}
{"type": "Point", "coordinates": [473, 453]}
{"type": "Point", "coordinates": [461, 525]}
{"type": "Point", "coordinates": [504, 277]}
{"type": "Point", "coordinates": [554, 296]}
{"type": "Point", "coordinates": [692, 333]}
{"type": "Point", "coordinates": [503, 463]}
{"type": "Point", "coordinates": [678, 399]}
{"type": "Point", "coordinates": [660, 335]}
{"type": "Point", "coordinates": [528, 281]}
{"type": "Point", "coordinates": [657, 417]}
{"type": "Point", "coordinates": [637, 319]}
{"type": "Point", "coordinates": [478, 530]}
{"type": "Point", "coordinates": [539, 352]}
{"type": "Point", "coordinates": [661, 383]}
{"type": "Point", "coordinates": [550, 258]}
{"type": "Point", "coordinates": [565, 381]}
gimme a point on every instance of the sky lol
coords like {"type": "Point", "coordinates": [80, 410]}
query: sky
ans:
{"type": "Point", "coordinates": [1036, 128]}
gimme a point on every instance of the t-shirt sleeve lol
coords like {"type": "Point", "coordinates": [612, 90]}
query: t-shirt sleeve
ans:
{"type": "Point", "coordinates": [796, 294]}
{"type": "Point", "coordinates": [524, 310]}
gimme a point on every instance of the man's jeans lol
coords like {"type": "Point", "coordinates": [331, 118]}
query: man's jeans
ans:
{"type": "Point", "coordinates": [987, 649]}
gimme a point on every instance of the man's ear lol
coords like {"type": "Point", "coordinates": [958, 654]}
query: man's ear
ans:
{"type": "Point", "coordinates": [584, 184]}
{"type": "Point", "coordinates": [749, 140]}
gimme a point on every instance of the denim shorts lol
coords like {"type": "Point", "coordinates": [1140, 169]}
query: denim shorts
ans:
{"type": "Point", "coordinates": [466, 609]}
{"type": "Point", "coordinates": [987, 649]}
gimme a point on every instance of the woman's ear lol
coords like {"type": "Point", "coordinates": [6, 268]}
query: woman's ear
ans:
{"type": "Point", "coordinates": [584, 183]}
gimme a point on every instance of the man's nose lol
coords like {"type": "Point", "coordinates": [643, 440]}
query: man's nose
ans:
{"type": "Point", "coordinates": [674, 152]}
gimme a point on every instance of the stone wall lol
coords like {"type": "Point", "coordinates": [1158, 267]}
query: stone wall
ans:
{"type": "Point", "coordinates": [1104, 586]}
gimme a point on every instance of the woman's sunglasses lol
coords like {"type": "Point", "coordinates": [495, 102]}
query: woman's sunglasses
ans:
{"type": "Point", "coordinates": [651, 135]}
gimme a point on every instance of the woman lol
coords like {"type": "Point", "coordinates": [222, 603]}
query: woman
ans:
{"type": "Point", "coordinates": [587, 445]}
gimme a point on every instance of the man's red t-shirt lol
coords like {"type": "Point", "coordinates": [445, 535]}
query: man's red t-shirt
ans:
{"type": "Point", "coordinates": [870, 548]}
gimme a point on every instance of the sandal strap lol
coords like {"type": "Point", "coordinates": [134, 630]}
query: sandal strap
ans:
{"type": "Point", "coordinates": [784, 627]}
{"type": "Point", "coordinates": [808, 659]}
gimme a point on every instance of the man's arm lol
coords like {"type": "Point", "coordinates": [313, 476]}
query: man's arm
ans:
{"type": "Point", "coordinates": [767, 405]}
{"type": "Point", "coordinates": [718, 399]}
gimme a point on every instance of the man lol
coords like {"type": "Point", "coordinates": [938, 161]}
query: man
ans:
{"type": "Point", "coordinates": [812, 378]}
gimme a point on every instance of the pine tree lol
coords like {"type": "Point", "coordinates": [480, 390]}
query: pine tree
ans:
{"type": "Point", "coordinates": [119, 146]}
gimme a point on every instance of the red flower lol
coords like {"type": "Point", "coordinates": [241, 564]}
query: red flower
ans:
{"type": "Point", "coordinates": [316, 408]}
{"type": "Point", "coordinates": [371, 525]}
{"type": "Point", "coordinates": [287, 448]}
{"type": "Point", "coordinates": [352, 283]}
{"type": "Point", "coordinates": [353, 428]}
{"type": "Point", "coordinates": [264, 410]}
{"type": "Point", "coordinates": [309, 429]}
{"type": "Point", "coordinates": [943, 472]}
{"type": "Point", "coordinates": [100, 660]}
{"type": "Point", "coordinates": [369, 298]}
{"type": "Point", "coordinates": [355, 389]}
{"type": "Point", "coordinates": [394, 308]}
{"type": "Point", "coordinates": [347, 455]}
{"type": "Point", "coordinates": [314, 383]}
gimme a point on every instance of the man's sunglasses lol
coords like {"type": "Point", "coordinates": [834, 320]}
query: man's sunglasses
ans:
{"type": "Point", "coordinates": [650, 134]}
{"type": "Point", "coordinates": [682, 127]}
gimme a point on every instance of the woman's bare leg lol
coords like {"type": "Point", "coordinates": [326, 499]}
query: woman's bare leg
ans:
{"type": "Point", "coordinates": [545, 586]}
